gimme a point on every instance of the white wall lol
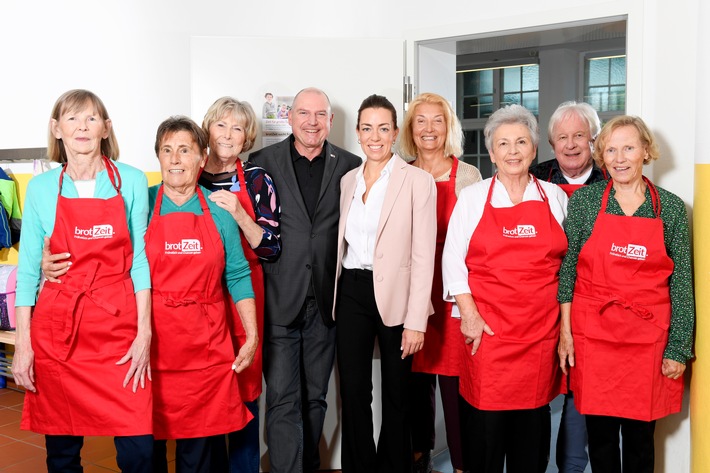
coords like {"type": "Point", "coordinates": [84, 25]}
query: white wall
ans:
{"type": "Point", "coordinates": [136, 56]}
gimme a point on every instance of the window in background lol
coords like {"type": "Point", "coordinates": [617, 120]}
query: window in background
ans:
{"type": "Point", "coordinates": [482, 92]}
{"type": "Point", "coordinates": [605, 84]}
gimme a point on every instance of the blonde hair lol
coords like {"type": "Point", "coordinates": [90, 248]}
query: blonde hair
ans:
{"type": "Point", "coordinates": [615, 123]}
{"type": "Point", "coordinates": [454, 133]}
{"type": "Point", "coordinates": [241, 111]}
{"type": "Point", "coordinates": [73, 101]}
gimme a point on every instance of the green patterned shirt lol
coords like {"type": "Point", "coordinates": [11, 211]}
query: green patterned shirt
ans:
{"type": "Point", "coordinates": [581, 215]}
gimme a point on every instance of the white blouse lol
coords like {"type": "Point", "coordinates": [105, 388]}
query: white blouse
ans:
{"type": "Point", "coordinates": [465, 218]}
{"type": "Point", "coordinates": [364, 218]}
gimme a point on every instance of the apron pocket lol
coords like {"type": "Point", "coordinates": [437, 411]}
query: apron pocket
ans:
{"type": "Point", "coordinates": [181, 338]}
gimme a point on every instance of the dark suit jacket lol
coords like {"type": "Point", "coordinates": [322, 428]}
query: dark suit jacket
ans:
{"type": "Point", "coordinates": [308, 248]}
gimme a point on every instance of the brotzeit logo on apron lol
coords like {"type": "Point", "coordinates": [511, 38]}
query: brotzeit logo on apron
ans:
{"type": "Point", "coordinates": [96, 232]}
{"type": "Point", "coordinates": [630, 251]}
{"type": "Point", "coordinates": [184, 247]}
{"type": "Point", "coordinates": [520, 231]}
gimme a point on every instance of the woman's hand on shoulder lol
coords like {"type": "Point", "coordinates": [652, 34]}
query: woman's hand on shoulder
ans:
{"type": "Point", "coordinates": [229, 202]}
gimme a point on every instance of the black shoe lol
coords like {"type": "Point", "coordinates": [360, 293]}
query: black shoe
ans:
{"type": "Point", "coordinates": [423, 464]}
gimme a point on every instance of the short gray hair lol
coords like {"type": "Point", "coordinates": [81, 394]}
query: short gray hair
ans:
{"type": "Point", "coordinates": [509, 115]}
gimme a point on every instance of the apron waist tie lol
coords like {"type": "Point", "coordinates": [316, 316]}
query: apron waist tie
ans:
{"type": "Point", "coordinates": [169, 301]}
{"type": "Point", "coordinates": [637, 309]}
{"type": "Point", "coordinates": [73, 314]}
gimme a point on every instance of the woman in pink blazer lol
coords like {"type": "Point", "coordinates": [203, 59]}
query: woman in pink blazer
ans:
{"type": "Point", "coordinates": [386, 245]}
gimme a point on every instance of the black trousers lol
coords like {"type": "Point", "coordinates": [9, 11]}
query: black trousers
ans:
{"type": "Point", "coordinates": [191, 455]}
{"type": "Point", "coordinates": [134, 454]}
{"type": "Point", "coordinates": [637, 455]}
{"type": "Point", "coordinates": [358, 323]}
{"type": "Point", "coordinates": [298, 360]}
{"type": "Point", "coordinates": [518, 439]}
{"type": "Point", "coordinates": [423, 407]}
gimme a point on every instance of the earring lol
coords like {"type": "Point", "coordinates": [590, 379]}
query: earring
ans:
{"type": "Point", "coordinates": [358, 142]}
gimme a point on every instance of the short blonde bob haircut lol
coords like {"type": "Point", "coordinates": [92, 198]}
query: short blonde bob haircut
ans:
{"type": "Point", "coordinates": [241, 111]}
{"type": "Point", "coordinates": [74, 101]}
{"type": "Point", "coordinates": [454, 134]}
{"type": "Point", "coordinates": [626, 120]}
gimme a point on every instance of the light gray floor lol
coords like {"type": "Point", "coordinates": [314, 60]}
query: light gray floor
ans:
{"type": "Point", "coordinates": [442, 462]}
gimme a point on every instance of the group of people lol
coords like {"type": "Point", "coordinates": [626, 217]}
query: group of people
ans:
{"type": "Point", "coordinates": [159, 304]}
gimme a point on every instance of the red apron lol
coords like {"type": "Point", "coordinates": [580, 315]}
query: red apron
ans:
{"type": "Point", "coordinates": [513, 260]}
{"type": "Point", "coordinates": [441, 353]}
{"type": "Point", "coordinates": [195, 389]}
{"type": "Point", "coordinates": [568, 188]}
{"type": "Point", "coordinates": [83, 326]}
{"type": "Point", "coordinates": [250, 379]}
{"type": "Point", "coordinates": [621, 313]}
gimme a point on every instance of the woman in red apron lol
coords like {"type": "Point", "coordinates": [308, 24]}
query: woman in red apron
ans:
{"type": "Point", "coordinates": [253, 202]}
{"type": "Point", "coordinates": [192, 249]}
{"type": "Point", "coordinates": [85, 363]}
{"type": "Point", "coordinates": [503, 250]}
{"type": "Point", "coordinates": [627, 330]}
{"type": "Point", "coordinates": [432, 133]}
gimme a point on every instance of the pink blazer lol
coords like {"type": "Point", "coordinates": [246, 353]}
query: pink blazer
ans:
{"type": "Point", "coordinates": [403, 267]}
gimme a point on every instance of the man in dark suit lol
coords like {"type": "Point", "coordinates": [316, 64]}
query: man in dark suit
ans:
{"type": "Point", "coordinates": [299, 332]}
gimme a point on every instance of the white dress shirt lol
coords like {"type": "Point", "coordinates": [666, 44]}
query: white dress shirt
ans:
{"type": "Point", "coordinates": [465, 218]}
{"type": "Point", "coordinates": [579, 180]}
{"type": "Point", "coordinates": [364, 218]}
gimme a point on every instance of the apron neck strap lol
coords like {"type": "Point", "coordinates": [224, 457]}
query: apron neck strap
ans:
{"type": "Point", "coordinates": [198, 191]}
{"type": "Point", "coordinates": [454, 168]}
{"type": "Point", "coordinates": [539, 188]}
{"type": "Point", "coordinates": [537, 183]}
{"type": "Point", "coordinates": [113, 174]}
{"type": "Point", "coordinates": [655, 200]}
{"type": "Point", "coordinates": [111, 170]}
{"type": "Point", "coordinates": [240, 175]}
{"type": "Point", "coordinates": [203, 202]}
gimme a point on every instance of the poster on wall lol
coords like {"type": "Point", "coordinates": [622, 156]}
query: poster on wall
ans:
{"type": "Point", "coordinates": [274, 118]}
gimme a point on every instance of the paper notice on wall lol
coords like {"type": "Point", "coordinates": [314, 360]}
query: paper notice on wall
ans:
{"type": "Point", "coordinates": [274, 118]}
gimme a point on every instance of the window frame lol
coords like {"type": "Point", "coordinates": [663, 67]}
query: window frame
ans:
{"type": "Point", "coordinates": [582, 86]}
{"type": "Point", "coordinates": [478, 124]}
